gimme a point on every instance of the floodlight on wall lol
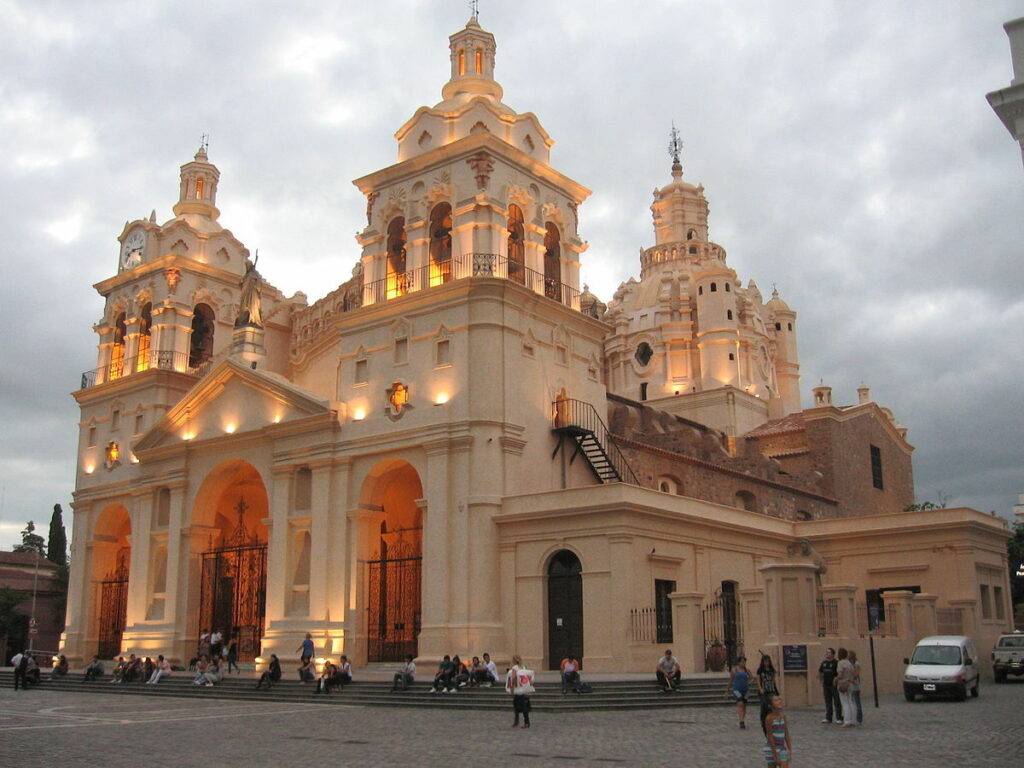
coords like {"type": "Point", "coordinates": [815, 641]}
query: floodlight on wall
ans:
{"type": "Point", "coordinates": [358, 414]}
{"type": "Point", "coordinates": [441, 398]}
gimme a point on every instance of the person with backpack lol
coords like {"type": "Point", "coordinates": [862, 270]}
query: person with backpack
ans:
{"type": "Point", "coordinates": [519, 682]}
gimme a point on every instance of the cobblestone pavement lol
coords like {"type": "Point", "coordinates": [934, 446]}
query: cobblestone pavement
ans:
{"type": "Point", "coordinates": [40, 728]}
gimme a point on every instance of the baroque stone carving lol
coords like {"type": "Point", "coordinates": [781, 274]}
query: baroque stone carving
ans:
{"type": "Point", "coordinates": [482, 165]}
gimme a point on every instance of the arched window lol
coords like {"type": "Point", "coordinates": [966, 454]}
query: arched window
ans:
{"type": "Point", "coordinates": [479, 61]}
{"type": "Point", "coordinates": [700, 290]}
{"type": "Point", "coordinates": [565, 608]}
{"type": "Point", "coordinates": [728, 314]}
{"type": "Point", "coordinates": [746, 500]}
{"type": "Point", "coordinates": [117, 351]}
{"type": "Point", "coordinates": [199, 189]}
{"type": "Point", "coordinates": [714, 287]}
{"type": "Point", "coordinates": [691, 234]}
{"type": "Point", "coordinates": [516, 244]}
{"type": "Point", "coordinates": [462, 62]}
{"type": "Point", "coordinates": [397, 277]}
{"type": "Point", "coordinates": [440, 244]}
{"type": "Point", "coordinates": [727, 288]}
{"type": "Point", "coordinates": [201, 345]}
{"type": "Point", "coordinates": [552, 262]}
{"type": "Point", "coordinates": [145, 329]}
{"type": "Point", "coordinates": [778, 326]}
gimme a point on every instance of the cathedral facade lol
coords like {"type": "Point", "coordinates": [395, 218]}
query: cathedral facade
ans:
{"type": "Point", "coordinates": [460, 450]}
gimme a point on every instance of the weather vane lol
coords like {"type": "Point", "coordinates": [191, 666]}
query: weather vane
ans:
{"type": "Point", "coordinates": [675, 144]}
{"type": "Point", "coordinates": [204, 140]}
{"type": "Point", "coordinates": [475, 7]}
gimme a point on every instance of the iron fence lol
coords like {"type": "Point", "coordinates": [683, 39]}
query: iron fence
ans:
{"type": "Point", "coordinates": [162, 360]}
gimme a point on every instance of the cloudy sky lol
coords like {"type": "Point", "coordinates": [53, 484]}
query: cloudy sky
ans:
{"type": "Point", "coordinates": [847, 151]}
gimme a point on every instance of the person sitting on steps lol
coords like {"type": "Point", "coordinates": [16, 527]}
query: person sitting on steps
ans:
{"type": "Point", "coordinates": [668, 671]}
{"type": "Point", "coordinates": [272, 675]}
{"type": "Point", "coordinates": [404, 678]}
{"type": "Point", "coordinates": [443, 678]}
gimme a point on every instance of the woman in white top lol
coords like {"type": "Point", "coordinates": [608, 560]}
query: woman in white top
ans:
{"type": "Point", "coordinates": [162, 669]}
{"type": "Point", "coordinates": [844, 684]}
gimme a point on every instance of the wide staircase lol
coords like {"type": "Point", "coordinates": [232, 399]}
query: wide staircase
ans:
{"type": "Point", "coordinates": [704, 691]}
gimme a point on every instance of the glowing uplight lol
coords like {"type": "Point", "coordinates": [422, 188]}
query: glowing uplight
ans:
{"type": "Point", "coordinates": [358, 414]}
{"type": "Point", "coordinates": [230, 428]}
{"type": "Point", "coordinates": [134, 459]}
{"type": "Point", "coordinates": [90, 468]}
{"type": "Point", "coordinates": [441, 398]}
{"type": "Point", "coordinates": [277, 418]}
{"type": "Point", "coordinates": [187, 435]}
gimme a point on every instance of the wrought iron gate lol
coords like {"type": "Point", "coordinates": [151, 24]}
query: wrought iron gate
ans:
{"type": "Point", "coordinates": [234, 594]}
{"type": "Point", "coordinates": [723, 631]}
{"type": "Point", "coordinates": [113, 608]}
{"type": "Point", "coordinates": [393, 599]}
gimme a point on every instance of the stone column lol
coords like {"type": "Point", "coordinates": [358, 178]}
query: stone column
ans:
{"type": "Point", "coordinates": [925, 619]}
{"type": "Point", "coordinates": [278, 580]}
{"type": "Point", "coordinates": [790, 595]}
{"type": "Point", "coordinates": [845, 596]}
{"type": "Point", "coordinates": [73, 640]}
{"type": "Point", "coordinates": [898, 612]}
{"type": "Point", "coordinates": [138, 574]}
{"type": "Point", "coordinates": [438, 554]}
{"type": "Point", "coordinates": [688, 630]}
{"type": "Point", "coordinates": [195, 539]}
{"type": "Point", "coordinates": [320, 554]}
{"type": "Point", "coordinates": [364, 526]}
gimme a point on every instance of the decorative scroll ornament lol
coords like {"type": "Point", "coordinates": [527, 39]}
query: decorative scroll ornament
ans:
{"type": "Point", "coordinates": [482, 165]}
{"type": "Point", "coordinates": [370, 200]}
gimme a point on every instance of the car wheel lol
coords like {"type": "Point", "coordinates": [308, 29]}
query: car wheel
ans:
{"type": "Point", "coordinates": [908, 695]}
{"type": "Point", "coordinates": [976, 689]}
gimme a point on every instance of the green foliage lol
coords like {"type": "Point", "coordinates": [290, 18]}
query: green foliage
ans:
{"type": "Point", "coordinates": [31, 541]}
{"type": "Point", "coordinates": [10, 619]}
{"type": "Point", "coordinates": [922, 507]}
{"type": "Point", "coordinates": [57, 544]}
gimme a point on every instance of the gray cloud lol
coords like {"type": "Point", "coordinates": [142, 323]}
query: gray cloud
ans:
{"type": "Point", "coordinates": [847, 151]}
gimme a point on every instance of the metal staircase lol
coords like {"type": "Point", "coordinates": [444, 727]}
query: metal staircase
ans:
{"type": "Point", "coordinates": [579, 421]}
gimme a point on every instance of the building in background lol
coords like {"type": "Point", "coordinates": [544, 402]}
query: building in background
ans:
{"type": "Point", "coordinates": [1008, 103]}
{"type": "Point", "coordinates": [23, 573]}
{"type": "Point", "coordinates": [460, 450]}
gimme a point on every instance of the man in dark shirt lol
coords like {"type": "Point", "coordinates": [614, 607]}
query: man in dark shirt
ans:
{"type": "Point", "coordinates": [827, 676]}
{"type": "Point", "coordinates": [443, 680]}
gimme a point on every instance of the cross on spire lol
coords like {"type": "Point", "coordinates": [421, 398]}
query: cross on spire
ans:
{"type": "Point", "coordinates": [675, 145]}
{"type": "Point", "coordinates": [204, 142]}
{"type": "Point", "coordinates": [474, 6]}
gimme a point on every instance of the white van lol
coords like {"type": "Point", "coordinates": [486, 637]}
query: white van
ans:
{"type": "Point", "coordinates": [943, 664]}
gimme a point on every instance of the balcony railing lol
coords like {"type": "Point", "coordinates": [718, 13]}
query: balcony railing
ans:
{"type": "Point", "coordinates": [470, 265]}
{"type": "Point", "coordinates": [160, 360]}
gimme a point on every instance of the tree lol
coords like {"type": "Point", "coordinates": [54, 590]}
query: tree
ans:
{"type": "Point", "coordinates": [57, 544]}
{"type": "Point", "coordinates": [31, 541]}
{"type": "Point", "coordinates": [10, 619]}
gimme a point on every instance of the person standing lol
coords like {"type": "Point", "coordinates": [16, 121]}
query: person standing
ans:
{"type": "Point", "coordinates": [519, 682]}
{"type": "Point", "coordinates": [306, 649]}
{"type": "Point", "coordinates": [20, 663]}
{"type": "Point", "coordinates": [843, 682]}
{"type": "Point", "coordinates": [778, 749]}
{"type": "Point", "coordinates": [767, 687]}
{"type": "Point", "coordinates": [232, 656]}
{"type": "Point", "coordinates": [739, 685]}
{"type": "Point", "coordinates": [855, 687]}
{"type": "Point", "coordinates": [827, 678]}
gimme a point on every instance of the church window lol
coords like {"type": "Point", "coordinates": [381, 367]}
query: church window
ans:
{"type": "Point", "coordinates": [643, 390]}
{"type": "Point", "coordinates": [401, 351]}
{"type": "Point", "coordinates": [693, 250]}
{"type": "Point", "coordinates": [700, 290]}
{"type": "Point", "coordinates": [199, 189]}
{"type": "Point", "coordinates": [728, 314]}
{"type": "Point", "coordinates": [732, 356]}
{"type": "Point", "coordinates": [876, 467]}
{"type": "Point", "coordinates": [303, 488]}
{"type": "Point", "coordinates": [115, 419]}
{"type": "Point", "coordinates": [516, 244]}
{"type": "Point", "coordinates": [986, 602]}
{"type": "Point", "coordinates": [462, 62]}
{"type": "Point", "coordinates": [727, 288]}
{"type": "Point", "coordinates": [789, 326]}
{"type": "Point", "coordinates": [691, 234]}
{"type": "Point", "coordinates": [778, 326]}
{"type": "Point", "coordinates": [397, 277]}
{"type": "Point", "coordinates": [440, 244]}
{"type": "Point", "coordinates": [561, 355]}
{"type": "Point", "coordinates": [714, 288]}
{"type": "Point", "coordinates": [552, 262]}
{"type": "Point", "coordinates": [746, 500]}
{"type": "Point", "coordinates": [643, 353]}
{"type": "Point", "coordinates": [361, 368]}
{"type": "Point", "coordinates": [442, 353]}
{"type": "Point", "coordinates": [479, 61]}
{"type": "Point", "coordinates": [201, 342]}
{"type": "Point", "coordinates": [145, 336]}
{"type": "Point", "coordinates": [139, 423]}
{"type": "Point", "coordinates": [92, 437]}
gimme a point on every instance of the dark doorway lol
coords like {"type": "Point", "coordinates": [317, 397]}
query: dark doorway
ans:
{"type": "Point", "coordinates": [663, 609]}
{"type": "Point", "coordinates": [113, 607]}
{"type": "Point", "coordinates": [565, 608]}
{"type": "Point", "coordinates": [730, 622]}
{"type": "Point", "coordinates": [234, 595]}
{"type": "Point", "coordinates": [395, 580]}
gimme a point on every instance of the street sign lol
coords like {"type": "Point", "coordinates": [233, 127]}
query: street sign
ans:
{"type": "Point", "coordinates": [33, 630]}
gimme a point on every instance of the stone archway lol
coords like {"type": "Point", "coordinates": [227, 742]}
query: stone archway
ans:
{"type": "Point", "coordinates": [110, 567]}
{"type": "Point", "coordinates": [565, 607]}
{"type": "Point", "coordinates": [231, 546]}
{"type": "Point", "coordinates": [393, 551]}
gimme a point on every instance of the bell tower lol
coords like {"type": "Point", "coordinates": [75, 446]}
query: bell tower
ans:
{"type": "Point", "coordinates": [472, 54]}
{"type": "Point", "coordinates": [198, 193]}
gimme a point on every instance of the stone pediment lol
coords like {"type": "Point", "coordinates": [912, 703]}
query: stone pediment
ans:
{"type": "Point", "coordinates": [233, 399]}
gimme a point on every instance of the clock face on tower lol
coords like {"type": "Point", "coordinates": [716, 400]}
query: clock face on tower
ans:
{"type": "Point", "coordinates": [132, 250]}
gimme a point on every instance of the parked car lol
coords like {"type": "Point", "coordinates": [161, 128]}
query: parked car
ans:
{"type": "Point", "coordinates": [942, 664]}
{"type": "Point", "coordinates": [1008, 656]}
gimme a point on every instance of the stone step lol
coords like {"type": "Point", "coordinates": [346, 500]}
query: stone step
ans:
{"type": "Point", "coordinates": [610, 695]}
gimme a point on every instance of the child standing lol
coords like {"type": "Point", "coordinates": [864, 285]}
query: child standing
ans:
{"type": "Point", "coordinates": [739, 685]}
{"type": "Point", "coordinates": [777, 749]}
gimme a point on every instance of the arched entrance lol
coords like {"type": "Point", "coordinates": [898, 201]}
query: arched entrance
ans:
{"type": "Point", "coordinates": [565, 607]}
{"type": "Point", "coordinates": [233, 584]}
{"type": "Point", "coordinates": [394, 570]}
{"type": "Point", "coordinates": [111, 556]}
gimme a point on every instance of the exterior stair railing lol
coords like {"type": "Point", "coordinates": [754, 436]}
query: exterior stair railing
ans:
{"type": "Point", "coordinates": [580, 421]}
